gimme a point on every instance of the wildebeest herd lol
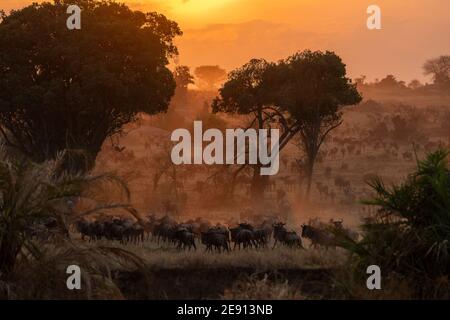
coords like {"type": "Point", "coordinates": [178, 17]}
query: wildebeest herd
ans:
{"type": "Point", "coordinates": [123, 230]}
{"type": "Point", "coordinates": [219, 237]}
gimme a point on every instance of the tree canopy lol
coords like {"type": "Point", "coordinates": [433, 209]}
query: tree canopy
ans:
{"type": "Point", "coordinates": [439, 68]}
{"type": "Point", "coordinates": [183, 77]}
{"type": "Point", "coordinates": [245, 90]}
{"type": "Point", "coordinates": [210, 76]}
{"type": "Point", "coordinates": [71, 89]}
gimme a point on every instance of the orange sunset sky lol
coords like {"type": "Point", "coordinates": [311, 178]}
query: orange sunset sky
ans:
{"type": "Point", "coordinates": [230, 32]}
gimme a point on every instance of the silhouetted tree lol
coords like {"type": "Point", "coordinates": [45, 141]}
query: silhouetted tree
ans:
{"type": "Point", "coordinates": [300, 95]}
{"type": "Point", "coordinates": [313, 89]}
{"type": "Point", "coordinates": [390, 82]}
{"type": "Point", "coordinates": [71, 89]}
{"type": "Point", "coordinates": [210, 76]}
{"type": "Point", "coordinates": [183, 78]}
{"type": "Point", "coordinates": [439, 68]}
{"type": "Point", "coordinates": [415, 84]}
{"type": "Point", "coordinates": [361, 80]}
{"type": "Point", "coordinates": [247, 92]}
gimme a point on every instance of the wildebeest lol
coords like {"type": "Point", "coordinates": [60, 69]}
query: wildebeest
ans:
{"type": "Point", "coordinates": [341, 232]}
{"type": "Point", "coordinates": [318, 237]}
{"type": "Point", "coordinates": [164, 231]}
{"type": "Point", "coordinates": [86, 229]}
{"type": "Point", "coordinates": [263, 234]}
{"type": "Point", "coordinates": [47, 228]}
{"type": "Point", "coordinates": [136, 233]}
{"type": "Point", "coordinates": [243, 234]}
{"type": "Point", "coordinates": [288, 238]}
{"type": "Point", "coordinates": [122, 230]}
{"type": "Point", "coordinates": [149, 226]}
{"type": "Point", "coordinates": [293, 240]}
{"type": "Point", "coordinates": [244, 237]}
{"type": "Point", "coordinates": [216, 239]}
{"type": "Point", "coordinates": [260, 237]}
{"type": "Point", "coordinates": [185, 238]}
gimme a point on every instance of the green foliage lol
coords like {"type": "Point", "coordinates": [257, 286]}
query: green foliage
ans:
{"type": "Point", "coordinates": [409, 236]}
{"type": "Point", "coordinates": [70, 89]}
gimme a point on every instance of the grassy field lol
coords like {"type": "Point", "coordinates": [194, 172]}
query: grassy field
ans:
{"type": "Point", "coordinates": [279, 273]}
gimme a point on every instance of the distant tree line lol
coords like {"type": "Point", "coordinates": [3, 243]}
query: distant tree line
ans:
{"type": "Point", "coordinates": [438, 68]}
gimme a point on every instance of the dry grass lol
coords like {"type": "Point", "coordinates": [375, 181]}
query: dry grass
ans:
{"type": "Point", "coordinates": [167, 257]}
{"type": "Point", "coordinates": [45, 278]}
{"type": "Point", "coordinates": [252, 288]}
{"type": "Point", "coordinates": [348, 286]}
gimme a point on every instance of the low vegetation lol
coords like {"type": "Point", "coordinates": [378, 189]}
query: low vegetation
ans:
{"type": "Point", "coordinates": [408, 237]}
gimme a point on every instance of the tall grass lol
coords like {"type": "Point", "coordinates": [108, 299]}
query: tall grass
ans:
{"type": "Point", "coordinates": [32, 258]}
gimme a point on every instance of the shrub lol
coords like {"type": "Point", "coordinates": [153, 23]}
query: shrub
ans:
{"type": "Point", "coordinates": [409, 235]}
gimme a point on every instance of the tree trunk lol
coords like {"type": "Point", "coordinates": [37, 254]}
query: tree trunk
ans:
{"type": "Point", "coordinates": [9, 249]}
{"type": "Point", "coordinates": [257, 185]}
{"type": "Point", "coordinates": [258, 181]}
{"type": "Point", "coordinates": [309, 174]}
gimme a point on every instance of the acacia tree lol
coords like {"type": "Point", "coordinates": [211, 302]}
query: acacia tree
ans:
{"type": "Point", "coordinates": [210, 76]}
{"type": "Point", "coordinates": [246, 92]}
{"type": "Point", "coordinates": [439, 68]}
{"type": "Point", "coordinates": [301, 95]}
{"type": "Point", "coordinates": [313, 89]}
{"type": "Point", "coordinates": [183, 79]}
{"type": "Point", "coordinates": [71, 89]}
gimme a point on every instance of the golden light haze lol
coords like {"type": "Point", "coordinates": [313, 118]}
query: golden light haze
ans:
{"type": "Point", "coordinates": [230, 32]}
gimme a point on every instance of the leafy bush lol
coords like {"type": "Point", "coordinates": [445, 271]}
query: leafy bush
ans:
{"type": "Point", "coordinates": [409, 235]}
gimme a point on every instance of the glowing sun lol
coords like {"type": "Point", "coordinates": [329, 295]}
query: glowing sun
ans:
{"type": "Point", "coordinates": [194, 7]}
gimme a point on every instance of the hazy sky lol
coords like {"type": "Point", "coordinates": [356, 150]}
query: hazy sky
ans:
{"type": "Point", "coordinates": [230, 32]}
